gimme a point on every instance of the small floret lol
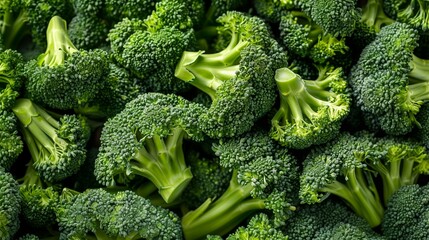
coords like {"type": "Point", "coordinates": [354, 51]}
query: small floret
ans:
{"type": "Point", "coordinates": [64, 77]}
{"type": "Point", "coordinates": [146, 139]}
{"type": "Point", "coordinates": [56, 146]}
{"type": "Point", "coordinates": [11, 145]}
{"type": "Point", "coordinates": [9, 205]}
{"type": "Point", "coordinates": [311, 111]}
{"type": "Point", "coordinates": [413, 12]}
{"type": "Point", "coordinates": [11, 77]}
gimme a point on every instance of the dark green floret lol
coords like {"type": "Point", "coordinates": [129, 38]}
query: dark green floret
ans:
{"type": "Point", "coordinates": [116, 10]}
{"type": "Point", "coordinates": [9, 205]}
{"type": "Point", "coordinates": [64, 77]}
{"type": "Point", "coordinates": [56, 146]}
{"type": "Point", "coordinates": [97, 214]}
{"type": "Point", "coordinates": [88, 32]}
{"type": "Point", "coordinates": [11, 77]}
{"type": "Point", "coordinates": [264, 177]}
{"type": "Point", "coordinates": [311, 111]}
{"type": "Point", "coordinates": [238, 79]}
{"type": "Point", "coordinates": [390, 82]}
{"type": "Point", "coordinates": [146, 139]}
{"type": "Point", "coordinates": [272, 10]}
{"type": "Point", "coordinates": [11, 145]}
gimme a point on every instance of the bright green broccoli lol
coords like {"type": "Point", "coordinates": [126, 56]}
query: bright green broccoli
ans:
{"type": "Point", "coordinates": [64, 77]}
{"type": "Point", "coordinates": [407, 214]}
{"type": "Point", "coordinates": [9, 205]}
{"type": "Point", "coordinates": [146, 139]}
{"type": "Point", "coordinates": [11, 77]}
{"type": "Point", "coordinates": [327, 220]}
{"type": "Point", "coordinates": [97, 214]}
{"type": "Point", "coordinates": [11, 145]}
{"type": "Point", "coordinates": [56, 146]}
{"type": "Point", "coordinates": [264, 177]}
{"type": "Point", "coordinates": [238, 79]}
{"type": "Point", "coordinates": [311, 111]}
{"type": "Point", "coordinates": [116, 10]}
{"type": "Point", "coordinates": [348, 166]}
{"type": "Point", "coordinates": [303, 37]}
{"type": "Point", "coordinates": [389, 81]}
{"type": "Point", "coordinates": [272, 10]}
{"type": "Point", "coordinates": [38, 200]}
{"type": "Point", "coordinates": [413, 12]}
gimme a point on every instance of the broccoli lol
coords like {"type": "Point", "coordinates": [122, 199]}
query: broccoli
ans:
{"type": "Point", "coordinates": [29, 237]}
{"type": "Point", "coordinates": [311, 111]}
{"type": "Point", "coordinates": [64, 77]}
{"type": "Point", "coordinates": [38, 201]}
{"type": "Point", "coordinates": [407, 214]}
{"type": "Point", "coordinates": [303, 37]}
{"type": "Point", "coordinates": [389, 81]}
{"type": "Point", "coordinates": [9, 205]}
{"type": "Point", "coordinates": [88, 32]}
{"type": "Point", "coordinates": [56, 146]}
{"type": "Point", "coordinates": [169, 14]}
{"type": "Point", "coordinates": [264, 177]}
{"type": "Point", "coordinates": [413, 12]}
{"type": "Point", "coordinates": [347, 167]}
{"type": "Point", "coordinates": [238, 79]}
{"type": "Point", "coordinates": [146, 139]}
{"type": "Point", "coordinates": [11, 77]}
{"type": "Point", "coordinates": [116, 10]}
{"type": "Point", "coordinates": [326, 220]}
{"type": "Point", "coordinates": [272, 10]}
{"type": "Point", "coordinates": [97, 214]}
{"type": "Point", "coordinates": [11, 145]}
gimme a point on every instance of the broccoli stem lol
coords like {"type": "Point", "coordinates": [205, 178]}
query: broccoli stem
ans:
{"type": "Point", "coordinates": [224, 214]}
{"type": "Point", "coordinates": [373, 15]}
{"type": "Point", "coordinates": [59, 44]}
{"type": "Point", "coordinates": [358, 194]}
{"type": "Point", "coordinates": [14, 28]}
{"type": "Point", "coordinates": [162, 161]}
{"type": "Point", "coordinates": [418, 87]}
{"type": "Point", "coordinates": [209, 71]}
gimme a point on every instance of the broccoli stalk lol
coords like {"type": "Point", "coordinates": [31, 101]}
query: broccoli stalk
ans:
{"type": "Point", "coordinates": [418, 87]}
{"type": "Point", "coordinates": [373, 15]}
{"type": "Point", "coordinates": [14, 27]}
{"type": "Point", "coordinates": [413, 12]}
{"type": "Point", "coordinates": [310, 111]}
{"type": "Point", "coordinates": [57, 147]}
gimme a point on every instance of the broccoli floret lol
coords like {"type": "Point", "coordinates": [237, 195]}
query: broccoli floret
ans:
{"type": "Point", "coordinates": [11, 145]}
{"type": "Point", "coordinates": [146, 139]}
{"type": "Point", "coordinates": [272, 10]}
{"type": "Point", "coordinates": [323, 221]}
{"type": "Point", "coordinates": [11, 77]}
{"type": "Point", "coordinates": [9, 205]}
{"type": "Point", "coordinates": [88, 32]}
{"type": "Point", "coordinates": [38, 201]}
{"type": "Point", "coordinates": [29, 237]}
{"type": "Point", "coordinates": [389, 81]}
{"type": "Point", "coordinates": [210, 180]}
{"type": "Point", "coordinates": [303, 37]}
{"type": "Point", "coordinates": [407, 214]}
{"type": "Point", "coordinates": [100, 215]}
{"type": "Point", "coordinates": [413, 12]}
{"type": "Point", "coordinates": [65, 77]}
{"type": "Point", "coordinates": [169, 13]}
{"type": "Point", "coordinates": [116, 10]}
{"type": "Point", "coordinates": [259, 227]}
{"type": "Point", "coordinates": [56, 146]}
{"type": "Point", "coordinates": [311, 111]}
{"type": "Point", "coordinates": [218, 8]}
{"type": "Point", "coordinates": [238, 79]}
{"type": "Point", "coordinates": [264, 177]}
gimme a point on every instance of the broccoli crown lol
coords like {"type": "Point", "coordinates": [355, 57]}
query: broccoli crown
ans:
{"type": "Point", "coordinates": [407, 214]}
{"type": "Point", "coordinates": [324, 221]}
{"type": "Point", "coordinates": [311, 111]}
{"type": "Point", "coordinates": [116, 10]}
{"type": "Point", "coordinates": [264, 177]}
{"type": "Point", "coordinates": [169, 13]}
{"type": "Point", "coordinates": [146, 139]}
{"type": "Point", "coordinates": [123, 215]}
{"type": "Point", "coordinates": [88, 32]}
{"type": "Point", "coordinates": [346, 231]}
{"type": "Point", "coordinates": [56, 146]}
{"type": "Point", "coordinates": [11, 145]}
{"type": "Point", "coordinates": [272, 10]}
{"type": "Point", "coordinates": [413, 12]}
{"type": "Point", "coordinates": [259, 227]}
{"type": "Point", "coordinates": [218, 8]}
{"type": "Point", "coordinates": [11, 78]}
{"type": "Point", "coordinates": [303, 37]}
{"type": "Point", "coordinates": [152, 56]}
{"type": "Point", "coordinates": [238, 79]}
{"type": "Point", "coordinates": [388, 80]}
{"type": "Point", "coordinates": [338, 18]}
{"type": "Point", "coordinates": [64, 77]}
{"type": "Point", "coordinates": [9, 205]}
{"type": "Point", "coordinates": [210, 180]}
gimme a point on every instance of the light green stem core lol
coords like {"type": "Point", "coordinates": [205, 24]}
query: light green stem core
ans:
{"type": "Point", "coordinates": [364, 200]}
{"type": "Point", "coordinates": [224, 214]}
{"type": "Point", "coordinates": [418, 87]}
{"type": "Point", "coordinates": [374, 16]}
{"type": "Point", "coordinates": [14, 28]}
{"type": "Point", "coordinates": [59, 44]}
{"type": "Point", "coordinates": [162, 161]}
{"type": "Point", "coordinates": [209, 71]}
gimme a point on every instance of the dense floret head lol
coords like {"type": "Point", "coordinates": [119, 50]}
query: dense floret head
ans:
{"type": "Point", "coordinates": [10, 207]}
{"type": "Point", "coordinates": [11, 145]}
{"type": "Point", "coordinates": [11, 77]}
